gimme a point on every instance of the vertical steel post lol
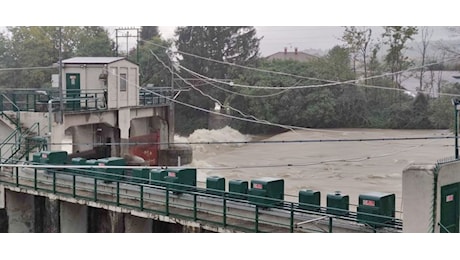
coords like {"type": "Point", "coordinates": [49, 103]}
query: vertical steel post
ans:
{"type": "Point", "coordinates": [330, 224]}
{"type": "Point", "coordinates": [17, 176]}
{"type": "Point", "coordinates": [118, 193]}
{"type": "Point", "coordinates": [54, 182]}
{"type": "Point", "coordinates": [292, 218]}
{"type": "Point", "coordinates": [194, 207]}
{"type": "Point", "coordinates": [95, 189]}
{"type": "Point", "coordinates": [167, 200]}
{"type": "Point", "coordinates": [225, 209]}
{"type": "Point", "coordinates": [35, 178]}
{"type": "Point", "coordinates": [257, 219]}
{"type": "Point", "coordinates": [142, 197]}
{"type": "Point", "coordinates": [74, 184]}
{"type": "Point", "coordinates": [456, 130]}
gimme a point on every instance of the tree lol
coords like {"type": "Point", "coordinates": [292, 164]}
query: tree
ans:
{"type": "Point", "coordinates": [38, 46]}
{"type": "Point", "coordinates": [232, 44]}
{"type": "Point", "coordinates": [397, 37]}
{"type": "Point", "coordinates": [426, 34]}
{"type": "Point", "coordinates": [148, 33]}
{"type": "Point", "coordinates": [358, 41]}
{"type": "Point", "coordinates": [94, 41]}
{"type": "Point", "coordinates": [151, 70]}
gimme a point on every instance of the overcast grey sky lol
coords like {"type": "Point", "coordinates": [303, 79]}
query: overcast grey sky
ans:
{"type": "Point", "coordinates": [289, 23]}
{"type": "Point", "coordinates": [276, 38]}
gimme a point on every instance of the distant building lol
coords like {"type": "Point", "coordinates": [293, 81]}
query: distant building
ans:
{"type": "Point", "coordinates": [292, 55]}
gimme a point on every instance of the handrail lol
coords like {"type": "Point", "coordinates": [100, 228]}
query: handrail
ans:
{"type": "Point", "coordinates": [281, 215]}
{"type": "Point", "coordinates": [443, 227]}
{"type": "Point", "coordinates": [15, 146]}
{"type": "Point", "coordinates": [18, 112]}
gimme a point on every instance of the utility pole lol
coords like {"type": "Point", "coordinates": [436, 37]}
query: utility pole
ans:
{"type": "Point", "coordinates": [61, 95]}
{"type": "Point", "coordinates": [127, 35]}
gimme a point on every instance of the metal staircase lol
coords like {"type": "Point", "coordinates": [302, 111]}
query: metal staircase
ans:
{"type": "Point", "coordinates": [22, 140]}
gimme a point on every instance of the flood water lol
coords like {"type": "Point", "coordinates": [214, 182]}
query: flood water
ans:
{"type": "Point", "coordinates": [350, 167]}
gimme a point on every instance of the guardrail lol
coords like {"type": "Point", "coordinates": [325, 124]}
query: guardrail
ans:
{"type": "Point", "coordinates": [185, 202]}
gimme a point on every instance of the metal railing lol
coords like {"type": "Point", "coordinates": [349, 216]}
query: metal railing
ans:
{"type": "Point", "coordinates": [251, 214]}
{"type": "Point", "coordinates": [36, 100]}
{"type": "Point", "coordinates": [20, 143]}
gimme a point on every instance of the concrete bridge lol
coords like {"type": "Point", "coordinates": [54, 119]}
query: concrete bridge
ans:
{"type": "Point", "coordinates": [37, 200]}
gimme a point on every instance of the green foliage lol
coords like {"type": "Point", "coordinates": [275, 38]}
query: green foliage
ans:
{"type": "Point", "coordinates": [148, 33]}
{"type": "Point", "coordinates": [231, 44]}
{"type": "Point", "coordinates": [151, 70]}
{"type": "Point", "coordinates": [396, 37]}
{"type": "Point", "coordinates": [442, 110]}
{"type": "Point", "coordinates": [38, 46]}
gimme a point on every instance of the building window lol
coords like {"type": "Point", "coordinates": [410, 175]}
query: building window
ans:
{"type": "Point", "coordinates": [123, 82]}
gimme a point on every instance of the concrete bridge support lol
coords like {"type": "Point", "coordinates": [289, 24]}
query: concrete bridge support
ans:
{"type": "Point", "coordinates": [20, 211]}
{"type": "Point", "coordinates": [73, 218]}
{"type": "Point", "coordinates": [105, 221]}
{"type": "Point", "coordinates": [135, 224]}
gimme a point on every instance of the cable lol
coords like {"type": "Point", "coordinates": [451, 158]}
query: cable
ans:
{"type": "Point", "coordinates": [304, 77]}
{"type": "Point", "coordinates": [27, 68]}
{"type": "Point", "coordinates": [217, 101]}
{"type": "Point", "coordinates": [237, 93]}
{"type": "Point", "coordinates": [270, 141]}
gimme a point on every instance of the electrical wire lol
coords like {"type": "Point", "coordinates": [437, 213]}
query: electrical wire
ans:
{"type": "Point", "coordinates": [299, 141]}
{"type": "Point", "coordinates": [217, 101]}
{"type": "Point", "coordinates": [27, 68]}
{"type": "Point", "coordinates": [331, 83]}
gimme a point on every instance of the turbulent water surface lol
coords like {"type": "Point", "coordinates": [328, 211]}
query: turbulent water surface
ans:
{"type": "Point", "coordinates": [350, 167]}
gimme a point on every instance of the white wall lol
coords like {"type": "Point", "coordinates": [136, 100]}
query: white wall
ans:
{"type": "Point", "coordinates": [417, 196]}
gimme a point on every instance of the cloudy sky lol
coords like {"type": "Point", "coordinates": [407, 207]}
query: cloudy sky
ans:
{"type": "Point", "coordinates": [289, 23]}
{"type": "Point", "coordinates": [276, 38]}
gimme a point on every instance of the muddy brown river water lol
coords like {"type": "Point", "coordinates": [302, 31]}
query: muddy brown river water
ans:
{"type": "Point", "coordinates": [350, 167]}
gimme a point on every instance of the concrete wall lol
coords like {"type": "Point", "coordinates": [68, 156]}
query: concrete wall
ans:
{"type": "Point", "coordinates": [135, 224]}
{"type": "Point", "coordinates": [130, 97]}
{"type": "Point", "coordinates": [418, 195]}
{"type": "Point", "coordinates": [73, 218]}
{"type": "Point", "coordinates": [20, 211]}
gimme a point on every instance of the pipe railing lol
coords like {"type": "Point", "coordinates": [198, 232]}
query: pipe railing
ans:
{"type": "Point", "coordinates": [178, 200]}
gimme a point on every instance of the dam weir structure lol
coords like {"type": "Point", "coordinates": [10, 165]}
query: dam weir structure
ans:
{"type": "Point", "coordinates": [62, 158]}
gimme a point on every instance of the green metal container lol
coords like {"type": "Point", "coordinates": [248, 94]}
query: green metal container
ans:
{"type": "Point", "coordinates": [140, 175]}
{"type": "Point", "coordinates": [36, 157]}
{"type": "Point", "coordinates": [78, 161]}
{"type": "Point", "coordinates": [337, 204]}
{"type": "Point", "coordinates": [376, 203]}
{"type": "Point", "coordinates": [157, 177]}
{"type": "Point", "coordinates": [238, 186]}
{"type": "Point", "coordinates": [186, 177]}
{"type": "Point", "coordinates": [53, 157]}
{"type": "Point", "coordinates": [111, 174]}
{"type": "Point", "coordinates": [215, 185]}
{"type": "Point", "coordinates": [309, 200]}
{"type": "Point", "coordinates": [90, 171]}
{"type": "Point", "coordinates": [270, 189]}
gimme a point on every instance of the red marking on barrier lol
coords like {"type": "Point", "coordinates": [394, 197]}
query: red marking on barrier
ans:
{"type": "Point", "coordinates": [369, 203]}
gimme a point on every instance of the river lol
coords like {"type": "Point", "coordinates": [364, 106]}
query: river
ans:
{"type": "Point", "coordinates": [350, 167]}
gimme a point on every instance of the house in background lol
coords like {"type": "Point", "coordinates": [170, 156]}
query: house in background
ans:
{"type": "Point", "coordinates": [292, 55]}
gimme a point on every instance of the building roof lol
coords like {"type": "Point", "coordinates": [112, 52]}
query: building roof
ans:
{"type": "Point", "coordinates": [92, 60]}
{"type": "Point", "coordinates": [292, 55]}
